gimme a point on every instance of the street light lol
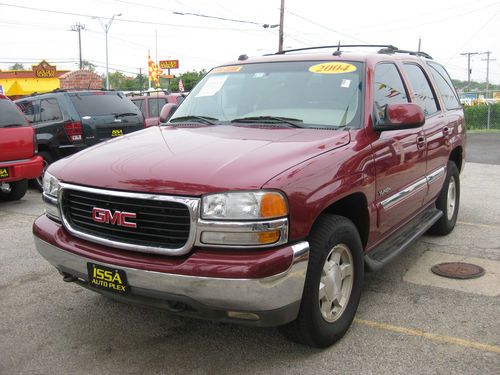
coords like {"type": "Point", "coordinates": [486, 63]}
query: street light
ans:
{"type": "Point", "coordinates": [106, 27]}
{"type": "Point", "coordinates": [264, 25]}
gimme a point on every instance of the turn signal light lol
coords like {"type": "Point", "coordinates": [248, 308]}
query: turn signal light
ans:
{"type": "Point", "coordinates": [273, 205]}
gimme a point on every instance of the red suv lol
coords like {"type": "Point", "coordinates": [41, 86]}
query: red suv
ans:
{"type": "Point", "coordinates": [270, 190]}
{"type": "Point", "coordinates": [152, 103]}
{"type": "Point", "coordinates": [18, 161]}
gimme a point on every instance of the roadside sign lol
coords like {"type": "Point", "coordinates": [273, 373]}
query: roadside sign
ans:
{"type": "Point", "coordinates": [169, 64]}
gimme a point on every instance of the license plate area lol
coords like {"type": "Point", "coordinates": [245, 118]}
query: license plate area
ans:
{"type": "Point", "coordinates": [4, 172]}
{"type": "Point", "coordinates": [116, 132]}
{"type": "Point", "coordinates": [107, 278]}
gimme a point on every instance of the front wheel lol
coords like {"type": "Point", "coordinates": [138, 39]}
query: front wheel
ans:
{"type": "Point", "coordinates": [333, 283]}
{"type": "Point", "coordinates": [448, 202]}
{"type": "Point", "coordinates": [14, 191]}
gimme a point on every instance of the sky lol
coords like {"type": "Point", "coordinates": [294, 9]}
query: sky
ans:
{"type": "Point", "coordinates": [34, 30]}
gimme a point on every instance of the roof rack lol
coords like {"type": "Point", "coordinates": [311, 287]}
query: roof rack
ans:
{"type": "Point", "coordinates": [384, 48]}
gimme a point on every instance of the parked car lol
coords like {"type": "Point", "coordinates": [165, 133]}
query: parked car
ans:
{"type": "Point", "coordinates": [269, 191]}
{"type": "Point", "coordinates": [18, 159]}
{"type": "Point", "coordinates": [68, 121]}
{"type": "Point", "coordinates": [151, 104]}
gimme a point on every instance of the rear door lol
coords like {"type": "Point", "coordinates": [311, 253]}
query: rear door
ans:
{"type": "Point", "coordinates": [106, 115]}
{"type": "Point", "coordinates": [437, 148]}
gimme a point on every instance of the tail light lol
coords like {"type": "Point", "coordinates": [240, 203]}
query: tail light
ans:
{"type": "Point", "coordinates": [74, 131]}
{"type": "Point", "coordinates": [35, 145]}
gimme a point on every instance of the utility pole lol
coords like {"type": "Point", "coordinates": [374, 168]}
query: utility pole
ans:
{"type": "Point", "coordinates": [487, 53]}
{"type": "Point", "coordinates": [106, 27]}
{"type": "Point", "coordinates": [282, 16]}
{"type": "Point", "coordinates": [79, 27]}
{"type": "Point", "coordinates": [469, 71]}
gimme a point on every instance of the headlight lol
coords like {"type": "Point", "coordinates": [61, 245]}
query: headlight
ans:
{"type": "Point", "coordinates": [256, 205]}
{"type": "Point", "coordinates": [50, 185]}
{"type": "Point", "coordinates": [51, 188]}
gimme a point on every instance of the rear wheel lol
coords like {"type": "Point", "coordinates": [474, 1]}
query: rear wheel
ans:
{"type": "Point", "coordinates": [47, 160]}
{"type": "Point", "coordinates": [333, 284]}
{"type": "Point", "coordinates": [13, 191]}
{"type": "Point", "coordinates": [448, 202]}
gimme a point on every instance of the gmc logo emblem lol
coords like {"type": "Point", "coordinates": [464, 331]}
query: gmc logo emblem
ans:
{"type": "Point", "coordinates": [102, 215]}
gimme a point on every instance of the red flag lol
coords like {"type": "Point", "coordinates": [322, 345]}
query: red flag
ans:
{"type": "Point", "coordinates": [181, 86]}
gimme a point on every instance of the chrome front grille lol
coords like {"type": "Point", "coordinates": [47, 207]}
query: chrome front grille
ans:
{"type": "Point", "coordinates": [159, 224]}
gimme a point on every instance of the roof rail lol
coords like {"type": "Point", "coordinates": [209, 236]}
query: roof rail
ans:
{"type": "Point", "coordinates": [389, 50]}
{"type": "Point", "coordinates": [338, 46]}
{"type": "Point", "coordinates": [384, 48]}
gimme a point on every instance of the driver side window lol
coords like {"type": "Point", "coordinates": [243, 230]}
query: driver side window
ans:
{"type": "Point", "coordinates": [388, 88]}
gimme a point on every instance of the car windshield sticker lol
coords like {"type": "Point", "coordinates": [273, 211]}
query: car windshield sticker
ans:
{"type": "Point", "coordinates": [345, 83]}
{"type": "Point", "coordinates": [212, 86]}
{"type": "Point", "coordinates": [226, 69]}
{"type": "Point", "coordinates": [332, 68]}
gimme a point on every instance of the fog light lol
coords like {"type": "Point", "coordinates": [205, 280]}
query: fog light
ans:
{"type": "Point", "coordinates": [241, 239]}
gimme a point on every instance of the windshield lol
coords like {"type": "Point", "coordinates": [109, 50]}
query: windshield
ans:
{"type": "Point", "coordinates": [312, 93]}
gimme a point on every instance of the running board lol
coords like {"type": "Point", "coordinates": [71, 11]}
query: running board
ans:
{"type": "Point", "coordinates": [403, 238]}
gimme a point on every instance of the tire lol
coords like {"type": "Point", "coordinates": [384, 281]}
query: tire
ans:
{"type": "Point", "coordinates": [335, 246]}
{"type": "Point", "coordinates": [47, 160]}
{"type": "Point", "coordinates": [17, 191]}
{"type": "Point", "coordinates": [448, 201]}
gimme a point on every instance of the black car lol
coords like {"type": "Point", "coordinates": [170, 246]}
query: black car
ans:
{"type": "Point", "coordinates": [68, 121]}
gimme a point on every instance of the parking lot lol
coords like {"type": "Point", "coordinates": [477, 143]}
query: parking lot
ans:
{"type": "Point", "coordinates": [410, 321]}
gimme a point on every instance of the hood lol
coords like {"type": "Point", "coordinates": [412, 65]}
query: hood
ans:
{"type": "Point", "coordinates": [195, 160]}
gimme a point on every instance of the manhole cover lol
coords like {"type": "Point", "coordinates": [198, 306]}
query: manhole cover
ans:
{"type": "Point", "coordinates": [458, 270]}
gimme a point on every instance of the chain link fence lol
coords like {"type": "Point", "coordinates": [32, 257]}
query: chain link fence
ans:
{"type": "Point", "coordinates": [481, 109]}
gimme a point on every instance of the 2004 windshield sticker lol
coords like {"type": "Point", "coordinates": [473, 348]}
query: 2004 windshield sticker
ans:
{"type": "Point", "coordinates": [332, 68]}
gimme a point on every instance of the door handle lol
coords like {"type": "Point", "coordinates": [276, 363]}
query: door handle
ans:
{"type": "Point", "coordinates": [446, 131]}
{"type": "Point", "coordinates": [421, 142]}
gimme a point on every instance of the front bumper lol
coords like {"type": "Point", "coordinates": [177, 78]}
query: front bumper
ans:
{"type": "Point", "coordinates": [264, 301]}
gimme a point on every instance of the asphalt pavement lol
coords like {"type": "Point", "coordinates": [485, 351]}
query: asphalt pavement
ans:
{"type": "Point", "coordinates": [404, 325]}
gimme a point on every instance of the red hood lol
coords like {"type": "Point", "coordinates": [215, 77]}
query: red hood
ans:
{"type": "Point", "coordinates": [195, 161]}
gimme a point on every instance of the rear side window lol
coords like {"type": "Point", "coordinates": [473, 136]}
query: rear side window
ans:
{"type": "Point", "coordinates": [140, 103]}
{"type": "Point", "coordinates": [28, 108]}
{"type": "Point", "coordinates": [388, 88]}
{"type": "Point", "coordinates": [445, 87]}
{"type": "Point", "coordinates": [155, 106]}
{"type": "Point", "coordinates": [421, 89]}
{"type": "Point", "coordinates": [99, 104]}
{"type": "Point", "coordinates": [49, 110]}
{"type": "Point", "coordinates": [10, 115]}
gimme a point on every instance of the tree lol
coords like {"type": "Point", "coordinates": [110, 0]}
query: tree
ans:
{"type": "Point", "coordinates": [88, 65]}
{"type": "Point", "coordinates": [189, 80]}
{"type": "Point", "coordinates": [17, 66]}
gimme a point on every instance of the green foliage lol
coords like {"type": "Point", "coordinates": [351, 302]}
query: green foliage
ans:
{"type": "Point", "coordinates": [476, 116]}
{"type": "Point", "coordinates": [17, 66]}
{"type": "Point", "coordinates": [474, 86]}
{"type": "Point", "coordinates": [189, 80]}
{"type": "Point", "coordinates": [88, 65]}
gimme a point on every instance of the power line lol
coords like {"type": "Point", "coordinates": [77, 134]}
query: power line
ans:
{"type": "Point", "coordinates": [143, 22]}
{"type": "Point", "coordinates": [326, 28]}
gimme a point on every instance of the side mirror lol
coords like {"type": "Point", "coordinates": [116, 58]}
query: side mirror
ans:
{"type": "Point", "coordinates": [401, 116]}
{"type": "Point", "coordinates": [167, 111]}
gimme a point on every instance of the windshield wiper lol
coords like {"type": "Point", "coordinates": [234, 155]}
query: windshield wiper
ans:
{"type": "Point", "coordinates": [202, 119]}
{"type": "Point", "coordinates": [269, 120]}
{"type": "Point", "coordinates": [11, 126]}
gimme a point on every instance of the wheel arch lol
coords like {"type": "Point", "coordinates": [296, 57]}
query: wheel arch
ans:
{"type": "Point", "coordinates": [456, 156]}
{"type": "Point", "coordinates": [355, 208]}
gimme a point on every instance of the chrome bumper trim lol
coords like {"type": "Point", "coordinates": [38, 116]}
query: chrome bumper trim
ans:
{"type": "Point", "coordinates": [264, 294]}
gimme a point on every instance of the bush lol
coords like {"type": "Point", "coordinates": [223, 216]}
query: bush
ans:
{"type": "Point", "coordinates": [476, 116]}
